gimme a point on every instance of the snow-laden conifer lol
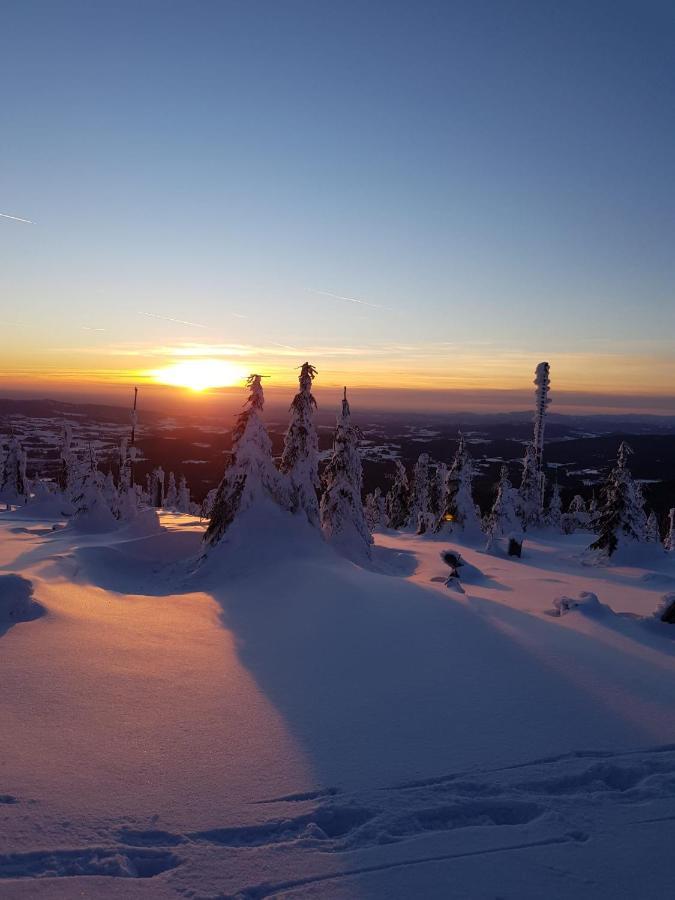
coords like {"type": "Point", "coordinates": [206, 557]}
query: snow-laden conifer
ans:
{"type": "Point", "coordinates": [621, 521]}
{"type": "Point", "coordinates": [397, 501]}
{"type": "Point", "coordinates": [542, 384]}
{"type": "Point", "coordinates": [374, 510]}
{"type": "Point", "coordinates": [341, 509]}
{"type": "Point", "coordinates": [652, 531]}
{"type": "Point", "coordinates": [207, 504]}
{"type": "Point", "coordinates": [183, 504]}
{"type": "Point", "coordinates": [669, 542]}
{"type": "Point", "coordinates": [300, 457]}
{"type": "Point", "coordinates": [554, 511]}
{"type": "Point", "coordinates": [529, 494]}
{"type": "Point", "coordinates": [438, 490]}
{"type": "Point", "coordinates": [460, 515]}
{"type": "Point", "coordinates": [503, 520]}
{"type": "Point", "coordinates": [420, 514]}
{"type": "Point", "coordinates": [250, 474]}
{"type": "Point", "coordinates": [577, 517]}
{"type": "Point", "coordinates": [67, 463]}
{"type": "Point", "coordinates": [171, 498]}
{"type": "Point", "coordinates": [14, 488]}
{"type": "Point", "coordinates": [92, 512]}
{"type": "Point", "coordinates": [111, 494]}
{"type": "Point", "coordinates": [157, 487]}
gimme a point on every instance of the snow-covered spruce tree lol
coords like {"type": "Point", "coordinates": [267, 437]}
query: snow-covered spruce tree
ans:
{"type": "Point", "coordinates": [669, 542]}
{"type": "Point", "coordinates": [300, 457]}
{"type": "Point", "coordinates": [621, 520]}
{"type": "Point", "coordinates": [374, 510]}
{"type": "Point", "coordinates": [183, 502]}
{"type": "Point", "coordinates": [341, 509]}
{"type": "Point", "coordinates": [397, 501]}
{"type": "Point", "coordinates": [460, 513]}
{"type": "Point", "coordinates": [171, 498]}
{"type": "Point", "coordinates": [542, 384]}
{"type": "Point", "coordinates": [206, 508]}
{"type": "Point", "coordinates": [92, 512]}
{"type": "Point", "coordinates": [577, 517]}
{"type": "Point", "coordinates": [503, 520]}
{"type": "Point", "coordinates": [592, 505]}
{"type": "Point", "coordinates": [438, 492]}
{"type": "Point", "coordinates": [66, 476]}
{"type": "Point", "coordinates": [652, 531]}
{"type": "Point", "coordinates": [529, 494]}
{"type": "Point", "coordinates": [157, 487]}
{"type": "Point", "coordinates": [420, 514]}
{"type": "Point", "coordinates": [251, 474]}
{"type": "Point", "coordinates": [14, 487]}
{"type": "Point", "coordinates": [111, 495]}
{"type": "Point", "coordinates": [554, 511]}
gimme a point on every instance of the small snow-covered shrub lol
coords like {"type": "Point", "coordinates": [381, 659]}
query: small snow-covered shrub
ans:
{"type": "Point", "coordinates": [665, 611]}
{"type": "Point", "coordinates": [16, 600]}
{"type": "Point", "coordinates": [587, 600]}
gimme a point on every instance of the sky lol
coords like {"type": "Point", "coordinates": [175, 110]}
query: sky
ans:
{"type": "Point", "coordinates": [424, 199]}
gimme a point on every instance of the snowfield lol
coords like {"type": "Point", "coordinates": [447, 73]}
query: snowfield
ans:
{"type": "Point", "coordinates": [276, 721]}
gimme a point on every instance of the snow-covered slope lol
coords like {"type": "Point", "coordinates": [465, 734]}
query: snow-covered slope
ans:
{"type": "Point", "coordinates": [276, 721]}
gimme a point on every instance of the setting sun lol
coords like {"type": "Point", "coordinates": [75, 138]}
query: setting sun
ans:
{"type": "Point", "coordinates": [200, 374]}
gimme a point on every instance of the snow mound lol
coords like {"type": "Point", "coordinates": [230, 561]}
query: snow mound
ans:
{"type": "Point", "coordinates": [16, 601]}
{"type": "Point", "coordinates": [44, 506]}
{"type": "Point", "coordinates": [96, 520]}
{"type": "Point", "coordinates": [144, 523]}
{"type": "Point", "coordinates": [263, 536]}
{"type": "Point", "coordinates": [586, 602]}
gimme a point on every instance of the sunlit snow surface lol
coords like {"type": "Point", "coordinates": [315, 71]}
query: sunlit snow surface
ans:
{"type": "Point", "coordinates": [276, 721]}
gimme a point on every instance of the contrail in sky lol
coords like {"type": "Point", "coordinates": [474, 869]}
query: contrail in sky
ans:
{"type": "Point", "coordinates": [169, 319]}
{"type": "Point", "coordinates": [283, 346]}
{"type": "Point", "coordinates": [352, 300]}
{"type": "Point", "coordinates": [16, 219]}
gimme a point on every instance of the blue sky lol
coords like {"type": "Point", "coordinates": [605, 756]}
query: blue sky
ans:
{"type": "Point", "coordinates": [497, 175]}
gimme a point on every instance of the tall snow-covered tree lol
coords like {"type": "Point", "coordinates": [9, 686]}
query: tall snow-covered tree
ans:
{"type": "Point", "coordinates": [66, 474]}
{"type": "Point", "coordinates": [341, 509]}
{"type": "Point", "coordinates": [300, 457]}
{"type": "Point", "coordinates": [14, 487]}
{"type": "Point", "coordinates": [438, 490]}
{"type": "Point", "coordinates": [652, 531]}
{"type": "Point", "coordinates": [250, 475]}
{"type": "Point", "coordinates": [621, 520]}
{"type": "Point", "coordinates": [554, 512]}
{"type": "Point", "coordinates": [460, 508]}
{"type": "Point", "coordinates": [669, 542]}
{"type": "Point", "coordinates": [420, 513]}
{"type": "Point", "coordinates": [503, 520]}
{"type": "Point", "coordinates": [397, 501]}
{"type": "Point", "coordinates": [183, 502]}
{"type": "Point", "coordinates": [529, 494]}
{"type": "Point", "coordinates": [207, 504]}
{"type": "Point", "coordinates": [157, 487]}
{"type": "Point", "coordinates": [92, 512]}
{"type": "Point", "coordinates": [111, 494]}
{"type": "Point", "coordinates": [577, 517]}
{"type": "Point", "coordinates": [542, 384]}
{"type": "Point", "coordinates": [171, 498]}
{"type": "Point", "coordinates": [375, 509]}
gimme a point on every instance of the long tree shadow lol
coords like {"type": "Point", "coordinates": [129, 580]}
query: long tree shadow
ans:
{"type": "Point", "coordinates": [381, 680]}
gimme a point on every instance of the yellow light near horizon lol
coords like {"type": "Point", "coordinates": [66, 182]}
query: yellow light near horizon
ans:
{"type": "Point", "coordinates": [200, 374]}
